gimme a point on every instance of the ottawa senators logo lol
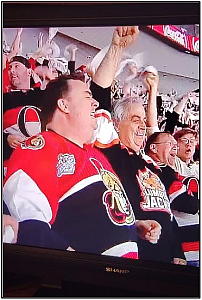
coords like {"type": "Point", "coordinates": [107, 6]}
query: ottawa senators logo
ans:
{"type": "Point", "coordinates": [33, 143]}
{"type": "Point", "coordinates": [115, 199]}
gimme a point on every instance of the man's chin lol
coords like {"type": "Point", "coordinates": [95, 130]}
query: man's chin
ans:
{"type": "Point", "coordinates": [189, 156]}
{"type": "Point", "coordinates": [95, 125]}
{"type": "Point", "coordinates": [171, 162]}
{"type": "Point", "coordinates": [138, 143]}
{"type": "Point", "coordinates": [137, 147]}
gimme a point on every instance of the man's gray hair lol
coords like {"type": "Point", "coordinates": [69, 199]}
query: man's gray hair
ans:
{"type": "Point", "coordinates": [121, 107]}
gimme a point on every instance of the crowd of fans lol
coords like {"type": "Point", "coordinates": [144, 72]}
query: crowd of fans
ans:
{"type": "Point", "coordinates": [150, 140]}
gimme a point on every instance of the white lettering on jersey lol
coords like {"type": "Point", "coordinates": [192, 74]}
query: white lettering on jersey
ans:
{"type": "Point", "coordinates": [153, 192]}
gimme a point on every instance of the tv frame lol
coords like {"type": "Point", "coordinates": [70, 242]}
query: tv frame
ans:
{"type": "Point", "coordinates": [54, 266]}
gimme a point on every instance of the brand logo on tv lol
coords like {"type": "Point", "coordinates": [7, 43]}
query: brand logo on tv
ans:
{"type": "Point", "coordinates": [115, 270]}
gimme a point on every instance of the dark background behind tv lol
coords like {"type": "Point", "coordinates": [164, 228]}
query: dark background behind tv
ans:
{"type": "Point", "coordinates": [84, 271]}
{"type": "Point", "coordinates": [99, 13]}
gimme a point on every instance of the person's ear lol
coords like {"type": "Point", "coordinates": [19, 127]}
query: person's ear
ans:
{"type": "Point", "coordinates": [63, 105]}
{"type": "Point", "coordinates": [153, 148]}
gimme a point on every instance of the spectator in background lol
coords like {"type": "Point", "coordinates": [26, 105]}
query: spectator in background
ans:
{"type": "Point", "coordinates": [182, 191]}
{"type": "Point", "coordinates": [8, 53]}
{"type": "Point", "coordinates": [19, 71]}
{"type": "Point", "coordinates": [21, 106]}
{"type": "Point", "coordinates": [186, 141]}
{"type": "Point", "coordinates": [173, 115]}
{"type": "Point", "coordinates": [21, 113]}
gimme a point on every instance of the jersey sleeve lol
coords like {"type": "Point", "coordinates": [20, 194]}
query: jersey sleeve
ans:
{"type": "Point", "coordinates": [102, 95]}
{"type": "Point", "coordinates": [31, 195]}
{"type": "Point", "coordinates": [181, 198]}
{"type": "Point", "coordinates": [105, 134]}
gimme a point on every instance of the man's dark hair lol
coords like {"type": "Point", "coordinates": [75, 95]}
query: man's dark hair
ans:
{"type": "Point", "coordinates": [55, 89]}
{"type": "Point", "coordinates": [152, 139]}
{"type": "Point", "coordinates": [22, 60]}
{"type": "Point", "coordinates": [178, 134]}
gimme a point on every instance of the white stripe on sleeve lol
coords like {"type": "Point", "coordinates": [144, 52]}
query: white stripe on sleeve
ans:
{"type": "Point", "coordinates": [25, 200]}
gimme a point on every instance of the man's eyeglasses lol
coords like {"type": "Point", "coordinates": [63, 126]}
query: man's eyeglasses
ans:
{"type": "Point", "coordinates": [174, 146]}
{"type": "Point", "coordinates": [187, 141]}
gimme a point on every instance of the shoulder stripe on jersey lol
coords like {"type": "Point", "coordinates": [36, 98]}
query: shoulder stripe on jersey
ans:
{"type": "Point", "coordinates": [122, 249]}
{"type": "Point", "coordinates": [190, 246]}
{"type": "Point", "coordinates": [177, 193]}
{"type": "Point", "coordinates": [80, 185]}
{"type": "Point", "coordinates": [191, 255]}
{"type": "Point", "coordinates": [103, 146]}
{"type": "Point", "coordinates": [184, 219]}
{"type": "Point", "coordinates": [104, 115]}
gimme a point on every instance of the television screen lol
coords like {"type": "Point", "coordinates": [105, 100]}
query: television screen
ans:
{"type": "Point", "coordinates": [80, 190]}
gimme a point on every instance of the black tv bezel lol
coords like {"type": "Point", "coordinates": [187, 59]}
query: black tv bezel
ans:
{"type": "Point", "coordinates": [53, 267]}
{"type": "Point", "coordinates": [134, 276]}
{"type": "Point", "coordinates": [99, 13]}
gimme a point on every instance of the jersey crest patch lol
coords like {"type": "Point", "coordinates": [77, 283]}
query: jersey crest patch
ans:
{"type": "Point", "coordinates": [66, 164]}
{"type": "Point", "coordinates": [115, 199]}
{"type": "Point", "coordinates": [154, 196]}
{"type": "Point", "coordinates": [34, 143]}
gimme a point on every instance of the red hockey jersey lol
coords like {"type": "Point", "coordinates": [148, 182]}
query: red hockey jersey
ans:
{"type": "Point", "coordinates": [75, 191]}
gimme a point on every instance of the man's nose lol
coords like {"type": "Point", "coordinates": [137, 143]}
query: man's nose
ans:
{"type": "Point", "coordinates": [142, 124]}
{"type": "Point", "coordinates": [189, 145]}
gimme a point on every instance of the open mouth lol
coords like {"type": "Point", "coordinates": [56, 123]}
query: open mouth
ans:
{"type": "Point", "coordinates": [188, 151]}
{"type": "Point", "coordinates": [140, 133]}
{"type": "Point", "coordinates": [92, 114]}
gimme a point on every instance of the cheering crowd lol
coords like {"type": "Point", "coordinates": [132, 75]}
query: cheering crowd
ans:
{"type": "Point", "coordinates": [95, 165]}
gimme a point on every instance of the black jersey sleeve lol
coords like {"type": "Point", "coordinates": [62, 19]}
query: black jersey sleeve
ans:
{"type": "Point", "coordinates": [185, 203]}
{"type": "Point", "coordinates": [71, 66]}
{"type": "Point", "coordinates": [171, 121]}
{"type": "Point", "coordinates": [177, 251]}
{"type": "Point", "coordinates": [39, 234]}
{"type": "Point", "coordinates": [102, 95]}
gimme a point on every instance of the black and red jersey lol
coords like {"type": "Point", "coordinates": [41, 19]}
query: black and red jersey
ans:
{"type": "Point", "coordinates": [148, 198]}
{"type": "Point", "coordinates": [183, 192]}
{"type": "Point", "coordinates": [74, 192]}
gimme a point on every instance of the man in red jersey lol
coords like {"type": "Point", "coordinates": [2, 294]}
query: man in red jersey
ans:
{"type": "Point", "coordinates": [62, 191]}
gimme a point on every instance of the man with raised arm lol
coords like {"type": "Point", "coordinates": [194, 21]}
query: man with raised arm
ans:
{"type": "Point", "coordinates": [62, 191]}
{"type": "Point", "coordinates": [140, 177]}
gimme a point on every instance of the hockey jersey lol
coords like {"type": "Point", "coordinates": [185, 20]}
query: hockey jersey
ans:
{"type": "Point", "coordinates": [148, 198]}
{"type": "Point", "coordinates": [184, 197]}
{"type": "Point", "coordinates": [74, 192]}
